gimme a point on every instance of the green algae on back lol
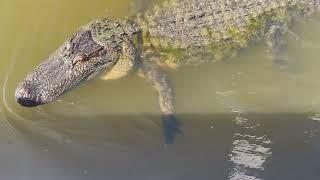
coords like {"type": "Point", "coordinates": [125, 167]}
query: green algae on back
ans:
{"type": "Point", "coordinates": [183, 29]}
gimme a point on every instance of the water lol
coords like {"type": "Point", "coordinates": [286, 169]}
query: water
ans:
{"type": "Point", "coordinates": [243, 118]}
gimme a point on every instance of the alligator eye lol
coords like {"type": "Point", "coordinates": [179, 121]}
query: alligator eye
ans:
{"type": "Point", "coordinates": [102, 52]}
{"type": "Point", "coordinates": [81, 57]}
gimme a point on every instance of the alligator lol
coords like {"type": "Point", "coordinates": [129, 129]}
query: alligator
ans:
{"type": "Point", "coordinates": [165, 36]}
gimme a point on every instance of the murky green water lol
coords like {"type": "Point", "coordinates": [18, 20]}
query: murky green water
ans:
{"type": "Point", "coordinates": [242, 118]}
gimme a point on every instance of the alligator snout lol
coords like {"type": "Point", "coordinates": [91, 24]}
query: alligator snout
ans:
{"type": "Point", "coordinates": [26, 96]}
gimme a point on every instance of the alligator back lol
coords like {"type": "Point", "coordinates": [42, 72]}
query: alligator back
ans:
{"type": "Point", "coordinates": [214, 27]}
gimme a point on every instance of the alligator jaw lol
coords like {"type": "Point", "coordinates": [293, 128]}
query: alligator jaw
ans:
{"type": "Point", "coordinates": [80, 58]}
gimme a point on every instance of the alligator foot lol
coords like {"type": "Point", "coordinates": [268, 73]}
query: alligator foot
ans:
{"type": "Point", "coordinates": [160, 82]}
{"type": "Point", "coordinates": [282, 64]}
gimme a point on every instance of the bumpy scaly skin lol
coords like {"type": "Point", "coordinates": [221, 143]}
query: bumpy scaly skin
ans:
{"type": "Point", "coordinates": [200, 31]}
{"type": "Point", "coordinates": [177, 32]}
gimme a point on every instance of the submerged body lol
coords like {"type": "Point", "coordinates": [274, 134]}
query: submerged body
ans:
{"type": "Point", "coordinates": [178, 32]}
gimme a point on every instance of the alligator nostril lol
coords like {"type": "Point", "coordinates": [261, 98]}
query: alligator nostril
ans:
{"type": "Point", "coordinates": [27, 102]}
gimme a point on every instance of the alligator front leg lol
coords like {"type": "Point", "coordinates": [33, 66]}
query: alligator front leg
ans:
{"type": "Point", "coordinates": [276, 44]}
{"type": "Point", "coordinates": [159, 80]}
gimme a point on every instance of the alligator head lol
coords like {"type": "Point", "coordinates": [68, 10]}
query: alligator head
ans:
{"type": "Point", "coordinates": [95, 48]}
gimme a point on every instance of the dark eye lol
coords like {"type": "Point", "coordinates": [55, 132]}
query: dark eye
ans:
{"type": "Point", "coordinates": [81, 57]}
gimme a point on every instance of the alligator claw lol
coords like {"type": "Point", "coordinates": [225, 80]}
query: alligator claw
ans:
{"type": "Point", "coordinates": [282, 64]}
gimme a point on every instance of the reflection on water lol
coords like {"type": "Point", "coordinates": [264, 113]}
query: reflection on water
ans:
{"type": "Point", "coordinates": [250, 150]}
{"type": "Point", "coordinates": [243, 118]}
